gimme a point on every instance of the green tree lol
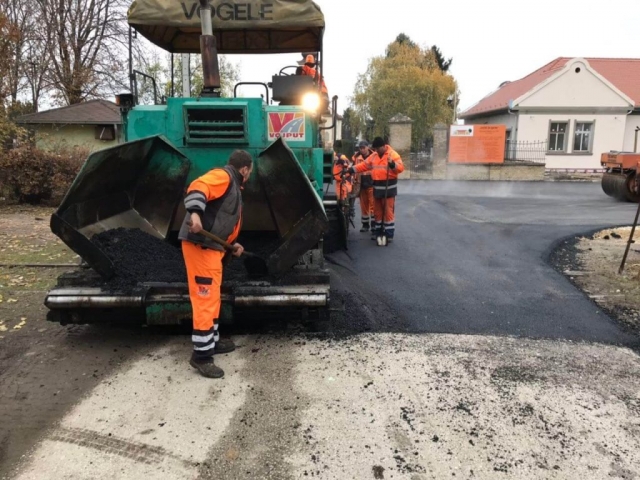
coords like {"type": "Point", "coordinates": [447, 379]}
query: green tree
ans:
{"type": "Point", "coordinates": [408, 81]}
{"type": "Point", "coordinates": [403, 39]}
{"type": "Point", "coordinates": [443, 64]}
{"type": "Point", "coordinates": [160, 69]}
{"type": "Point", "coordinates": [347, 131]}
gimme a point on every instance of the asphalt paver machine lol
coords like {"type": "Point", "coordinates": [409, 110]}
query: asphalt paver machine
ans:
{"type": "Point", "coordinates": [141, 183]}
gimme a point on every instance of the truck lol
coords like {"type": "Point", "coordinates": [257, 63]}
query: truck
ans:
{"type": "Point", "coordinates": [140, 183]}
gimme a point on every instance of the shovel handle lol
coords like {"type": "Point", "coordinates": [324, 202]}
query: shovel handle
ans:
{"type": "Point", "coordinates": [216, 239]}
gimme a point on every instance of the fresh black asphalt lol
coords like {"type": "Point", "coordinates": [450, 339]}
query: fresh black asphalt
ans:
{"type": "Point", "coordinates": [471, 258]}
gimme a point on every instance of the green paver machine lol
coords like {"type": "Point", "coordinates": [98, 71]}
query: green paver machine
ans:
{"type": "Point", "coordinates": [141, 183]}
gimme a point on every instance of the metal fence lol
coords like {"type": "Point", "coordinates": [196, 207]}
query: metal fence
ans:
{"type": "Point", "coordinates": [525, 152]}
{"type": "Point", "coordinates": [419, 165]}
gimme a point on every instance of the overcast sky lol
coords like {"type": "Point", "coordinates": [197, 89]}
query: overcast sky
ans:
{"type": "Point", "coordinates": [490, 41]}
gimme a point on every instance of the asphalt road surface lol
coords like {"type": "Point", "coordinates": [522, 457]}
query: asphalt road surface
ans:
{"type": "Point", "coordinates": [470, 258]}
{"type": "Point", "coordinates": [478, 361]}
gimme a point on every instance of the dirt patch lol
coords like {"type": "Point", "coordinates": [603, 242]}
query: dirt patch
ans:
{"type": "Point", "coordinates": [591, 262]}
{"type": "Point", "coordinates": [45, 368]}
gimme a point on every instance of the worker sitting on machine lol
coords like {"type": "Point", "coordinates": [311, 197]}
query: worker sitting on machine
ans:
{"type": "Point", "coordinates": [309, 69]}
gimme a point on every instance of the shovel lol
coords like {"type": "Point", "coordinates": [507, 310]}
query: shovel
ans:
{"type": "Point", "coordinates": [254, 264]}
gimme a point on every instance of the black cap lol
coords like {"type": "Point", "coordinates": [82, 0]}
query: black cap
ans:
{"type": "Point", "coordinates": [378, 142]}
{"type": "Point", "coordinates": [363, 143]}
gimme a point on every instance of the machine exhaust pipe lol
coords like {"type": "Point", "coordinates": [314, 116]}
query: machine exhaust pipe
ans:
{"type": "Point", "coordinates": [209, 53]}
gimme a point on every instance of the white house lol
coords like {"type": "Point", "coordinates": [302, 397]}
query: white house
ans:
{"type": "Point", "coordinates": [576, 108]}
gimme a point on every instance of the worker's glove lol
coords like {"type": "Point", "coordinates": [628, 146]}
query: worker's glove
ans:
{"type": "Point", "coordinates": [392, 164]}
{"type": "Point", "coordinates": [351, 171]}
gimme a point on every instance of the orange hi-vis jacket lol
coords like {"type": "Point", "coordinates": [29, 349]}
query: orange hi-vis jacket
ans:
{"type": "Point", "coordinates": [343, 187]}
{"type": "Point", "coordinates": [217, 197]}
{"type": "Point", "coordinates": [364, 179]}
{"type": "Point", "coordinates": [379, 171]}
{"type": "Point", "coordinates": [311, 72]}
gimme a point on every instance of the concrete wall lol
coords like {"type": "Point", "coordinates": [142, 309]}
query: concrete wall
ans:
{"type": "Point", "coordinates": [493, 172]}
{"type": "Point", "coordinates": [608, 134]}
{"type": "Point", "coordinates": [51, 137]}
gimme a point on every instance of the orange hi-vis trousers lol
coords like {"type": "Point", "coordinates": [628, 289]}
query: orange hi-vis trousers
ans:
{"type": "Point", "coordinates": [366, 205]}
{"type": "Point", "coordinates": [204, 274]}
{"type": "Point", "coordinates": [384, 217]}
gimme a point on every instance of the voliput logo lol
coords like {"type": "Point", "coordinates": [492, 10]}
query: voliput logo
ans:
{"type": "Point", "coordinates": [287, 125]}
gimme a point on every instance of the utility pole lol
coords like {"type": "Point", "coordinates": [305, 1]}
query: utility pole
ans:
{"type": "Point", "coordinates": [455, 106]}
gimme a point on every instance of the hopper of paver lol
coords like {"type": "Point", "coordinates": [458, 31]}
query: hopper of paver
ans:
{"type": "Point", "coordinates": [139, 184]}
{"type": "Point", "coordinates": [295, 208]}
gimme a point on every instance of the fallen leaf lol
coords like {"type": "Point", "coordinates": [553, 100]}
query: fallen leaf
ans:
{"type": "Point", "coordinates": [22, 323]}
{"type": "Point", "coordinates": [11, 300]}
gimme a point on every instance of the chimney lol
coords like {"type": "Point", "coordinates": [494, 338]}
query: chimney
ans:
{"type": "Point", "coordinates": [209, 52]}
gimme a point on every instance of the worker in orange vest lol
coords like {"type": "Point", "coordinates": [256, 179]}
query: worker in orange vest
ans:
{"type": "Point", "coordinates": [213, 203]}
{"type": "Point", "coordinates": [385, 165]}
{"type": "Point", "coordinates": [344, 182]}
{"type": "Point", "coordinates": [365, 184]}
{"type": "Point", "coordinates": [309, 69]}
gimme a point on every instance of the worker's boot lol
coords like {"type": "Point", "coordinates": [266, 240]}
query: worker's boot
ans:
{"type": "Point", "coordinates": [206, 367]}
{"type": "Point", "coordinates": [365, 227]}
{"type": "Point", "coordinates": [224, 345]}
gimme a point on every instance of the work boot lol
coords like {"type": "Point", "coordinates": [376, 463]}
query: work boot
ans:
{"type": "Point", "coordinates": [224, 345]}
{"type": "Point", "coordinates": [365, 227]}
{"type": "Point", "coordinates": [206, 367]}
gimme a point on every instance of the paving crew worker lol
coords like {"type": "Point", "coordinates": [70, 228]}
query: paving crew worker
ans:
{"type": "Point", "coordinates": [344, 183]}
{"type": "Point", "coordinates": [309, 69]}
{"type": "Point", "coordinates": [384, 164]}
{"type": "Point", "coordinates": [213, 203]}
{"type": "Point", "coordinates": [366, 186]}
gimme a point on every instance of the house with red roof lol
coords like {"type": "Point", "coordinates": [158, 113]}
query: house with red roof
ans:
{"type": "Point", "coordinates": [577, 108]}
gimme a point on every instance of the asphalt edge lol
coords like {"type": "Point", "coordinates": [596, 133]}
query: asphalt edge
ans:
{"type": "Point", "coordinates": [570, 242]}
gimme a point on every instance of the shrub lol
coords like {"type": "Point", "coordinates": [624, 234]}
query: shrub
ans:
{"type": "Point", "coordinates": [30, 175]}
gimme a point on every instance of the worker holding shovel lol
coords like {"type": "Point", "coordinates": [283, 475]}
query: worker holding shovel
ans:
{"type": "Point", "coordinates": [385, 165]}
{"type": "Point", "coordinates": [214, 209]}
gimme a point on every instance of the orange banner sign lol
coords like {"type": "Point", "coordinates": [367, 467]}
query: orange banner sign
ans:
{"type": "Point", "coordinates": [477, 143]}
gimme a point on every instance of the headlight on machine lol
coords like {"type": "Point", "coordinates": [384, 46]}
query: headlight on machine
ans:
{"type": "Point", "coordinates": [311, 102]}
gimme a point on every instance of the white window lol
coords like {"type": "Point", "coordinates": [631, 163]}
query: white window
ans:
{"type": "Point", "coordinates": [558, 136]}
{"type": "Point", "coordinates": [583, 137]}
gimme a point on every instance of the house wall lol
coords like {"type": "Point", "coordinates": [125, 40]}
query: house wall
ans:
{"type": "Point", "coordinates": [576, 87]}
{"type": "Point", "coordinates": [327, 135]}
{"type": "Point", "coordinates": [633, 121]}
{"type": "Point", "coordinates": [510, 120]}
{"type": "Point", "coordinates": [51, 137]}
{"type": "Point", "coordinates": [608, 134]}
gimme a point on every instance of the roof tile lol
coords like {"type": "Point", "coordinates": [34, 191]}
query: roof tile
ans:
{"type": "Point", "coordinates": [623, 73]}
{"type": "Point", "coordinates": [93, 112]}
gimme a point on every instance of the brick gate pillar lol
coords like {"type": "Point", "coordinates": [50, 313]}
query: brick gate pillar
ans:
{"type": "Point", "coordinates": [440, 133]}
{"type": "Point", "coordinates": [400, 139]}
